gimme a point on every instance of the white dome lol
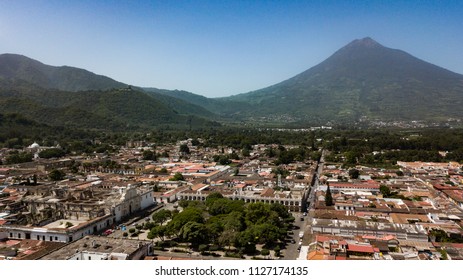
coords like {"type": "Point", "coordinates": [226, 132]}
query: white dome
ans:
{"type": "Point", "coordinates": [34, 146]}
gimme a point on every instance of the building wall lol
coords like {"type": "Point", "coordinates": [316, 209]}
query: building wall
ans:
{"type": "Point", "coordinates": [132, 202]}
{"type": "Point", "coordinates": [40, 233]}
{"type": "Point", "coordinates": [379, 233]}
{"type": "Point", "coordinates": [142, 251]}
{"type": "Point", "coordinates": [292, 204]}
{"type": "Point", "coordinates": [99, 225]}
{"type": "Point", "coordinates": [90, 256]}
{"type": "Point", "coordinates": [118, 213]}
{"type": "Point", "coordinates": [3, 235]}
{"type": "Point", "coordinates": [37, 234]}
{"type": "Point", "coordinates": [146, 199]}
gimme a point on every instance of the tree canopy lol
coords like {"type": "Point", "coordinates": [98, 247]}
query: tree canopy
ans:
{"type": "Point", "coordinates": [224, 222]}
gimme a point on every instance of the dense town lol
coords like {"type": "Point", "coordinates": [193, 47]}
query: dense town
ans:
{"type": "Point", "coordinates": [183, 201]}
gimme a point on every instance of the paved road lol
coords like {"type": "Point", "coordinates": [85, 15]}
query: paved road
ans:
{"type": "Point", "coordinates": [138, 218]}
{"type": "Point", "coordinates": [308, 237]}
{"type": "Point", "coordinates": [291, 252]}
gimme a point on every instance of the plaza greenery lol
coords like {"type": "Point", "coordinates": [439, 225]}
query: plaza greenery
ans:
{"type": "Point", "coordinates": [219, 223]}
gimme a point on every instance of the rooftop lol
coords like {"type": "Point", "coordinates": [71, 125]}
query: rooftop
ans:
{"type": "Point", "coordinates": [96, 244]}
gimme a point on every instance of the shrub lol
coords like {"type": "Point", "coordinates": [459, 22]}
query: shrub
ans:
{"type": "Point", "coordinates": [214, 248]}
{"type": "Point", "coordinates": [202, 247]}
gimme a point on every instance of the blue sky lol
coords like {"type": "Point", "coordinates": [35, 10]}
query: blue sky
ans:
{"type": "Point", "coordinates": [219, 48]}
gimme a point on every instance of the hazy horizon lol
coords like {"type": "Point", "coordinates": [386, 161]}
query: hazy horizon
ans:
{"type": "Point", "coordinates": [221, 48]}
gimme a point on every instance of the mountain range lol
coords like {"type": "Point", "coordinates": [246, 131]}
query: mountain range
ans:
{"type": "Point", "coordinates": [75, 97]}
{"type": "Point", "coordinates": [361, 81]}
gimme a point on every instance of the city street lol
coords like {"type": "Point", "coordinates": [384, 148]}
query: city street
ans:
{"type": "Point", "coordinates": [292, 252]}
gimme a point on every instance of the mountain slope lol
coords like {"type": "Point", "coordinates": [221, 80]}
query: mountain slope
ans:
{"type": "Point", "coordinates": [76, 97]}
{"type": "Point", "coordinates": [180, 104]}
{"type": "Point", "coordinates": [114, 109]}
{"type": "Point", "coordinates": [13, 66]}
{"type": "Point", "coordinates": [362, 79]}
{"type": "Point", "coordinates": [219, 106]}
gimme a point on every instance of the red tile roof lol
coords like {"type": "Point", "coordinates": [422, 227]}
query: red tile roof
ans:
{"type": "Point", "coordinates": [360, 248]}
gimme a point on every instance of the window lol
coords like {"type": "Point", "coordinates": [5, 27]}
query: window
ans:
{"type": "Point", "coordinates": [11, 234]}
{"type": "Point", "coordinates": [38, 237]}
{"type": "Point", "coordinates": [89, 258]}
{"type": "Point", "coordinates": [56, 237]}
{"type": "Point", "coordinates": [51, 238]}
{"type": "Point", "coordinates": [19, 235]}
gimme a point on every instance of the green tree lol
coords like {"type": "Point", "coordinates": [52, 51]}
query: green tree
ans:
{"type": "Point", "coordinates": [224, 206]}
{"type": "Point", "coordinates": [16, 157]}
{"type": "Point", "coordinates": [227, 238]}
{"type": "Point", "coordinates": [281, 210]}
{"type": "Point", "coordinates": [270, 152]}
{"type": "Point", "coordinates": [195, 142]}
{"type": "Point", "coordinates": [354, 173]}
{"type": "Point", "coordinates": [177, 177]}
{"type": "Point", "coordinates": [221, 159]}
{"type": "Point", "coordinates": [149, 155]}
{"type": "Point", "coordinates": [189, 214]}
{"type": "Point", "coordinates": [234, 221]}
{"type": "Point", "coordinates": [157, 231]}
{"type": "Point", "coordinates": [234, 156]}
{"type": "Point", "coordinates": [214, 227]}
{"type": "Point", "coordinates": [245, 152]}
{"type": "Point", "coordinates": [56, 175]}
{"type": "Point", "coordinates": [193, 232]}
{"type": "Point", "coordinates": [52, 153]}
{"type": "Point", "coordinates": [246, 241]}
{"type": "Point", "coordinates": [328, 197]}
{"type": "Point", "coordinates": [265, 233]}
{"type": "Point", "coordinates": [264, 252]}
{"type": "Point", "coordinates": [351, 157]}
{"type": "Point", "coordinates": [281, 171]}
{"type": "Point", "coordinates": [213, 196]}
{"type": "Point", "coordinates": [184, 149]}
{"type": "Point", "coordinates": [385, 191]}
{"type": "Point", "coordinates": [202, 248]}
{"type": "Point", "coordinates": [161, 216]}
{"type": "Point", "coordinates": [277, 251]}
